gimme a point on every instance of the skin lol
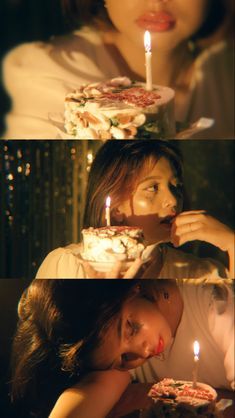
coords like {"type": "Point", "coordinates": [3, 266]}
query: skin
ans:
{"type": "Point", "coordinates": [152, 204]}
{"type": "Point", "coordinates": [153, 201]}
{"type": "Point", "coordinates": [171, 61]}
{"type": "Point", "coordinates": [93, 397]}
{"type": "Point", "coordinates": [143, 329]}
{"type": "Point", "coordinates": [96, 394]}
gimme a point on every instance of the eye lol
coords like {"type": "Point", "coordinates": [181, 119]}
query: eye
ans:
{"type": "Point", "coordinates": [153, 188]}
{"type": "Point", "coordinates": [132, 328]}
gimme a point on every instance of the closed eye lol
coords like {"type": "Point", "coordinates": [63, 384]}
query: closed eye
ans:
{"type": "Point", "coordinates": [132, 328]}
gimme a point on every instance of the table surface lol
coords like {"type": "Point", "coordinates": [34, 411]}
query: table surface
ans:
{"type": "Point", "coordinates": [135, 398]}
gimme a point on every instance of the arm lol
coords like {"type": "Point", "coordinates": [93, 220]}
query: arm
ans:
{"type": "Point", "coordinates": [197, 225]}
{"type": "Point", "coordinates": [93, 397]}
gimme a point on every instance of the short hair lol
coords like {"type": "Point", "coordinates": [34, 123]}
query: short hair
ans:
{"type": "Point", "coordinates": [115, 169]}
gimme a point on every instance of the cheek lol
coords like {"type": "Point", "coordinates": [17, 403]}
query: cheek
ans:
{"type": "Point", "coordinates": [191, 16]}
{"type": "Point", "coordinates": [123, 15]}
{"type": "Point", "coordinates": [145, 204]}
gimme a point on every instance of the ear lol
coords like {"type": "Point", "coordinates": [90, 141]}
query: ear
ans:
{"type": "Point", "coordinates": [117, 216]}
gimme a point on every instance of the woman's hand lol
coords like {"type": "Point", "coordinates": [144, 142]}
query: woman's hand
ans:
{"type": "Point", "coordinates": [197, 225]}
{"type": "Point", "coordinates": [115, 273]}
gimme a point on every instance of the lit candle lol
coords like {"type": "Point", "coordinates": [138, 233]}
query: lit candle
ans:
{"type": "Point", "coordinates": [196, 349]}
{"type": "Point", "coordinates": [148, 60]}
{"type": "Point", "coordinates": [107, 211]}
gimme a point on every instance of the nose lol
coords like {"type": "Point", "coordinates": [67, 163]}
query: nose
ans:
{"type": "Point", "coordinates": [169, 200]}
{"type": "Point", "coordinates": [145, 350]}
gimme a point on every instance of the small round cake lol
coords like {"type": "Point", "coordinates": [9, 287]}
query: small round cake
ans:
{"type": "Point", "coordinates": [178, 398]}
{"type": "Point", "coordinates": [120, 109]}
{"type": "Point", "coordinates": [111, 243]}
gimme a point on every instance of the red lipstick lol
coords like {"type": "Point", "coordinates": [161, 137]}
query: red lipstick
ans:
{"type": "Point", "coordinates": [160, 347]}
{"type": "Point", "coordinates": [156, 21]}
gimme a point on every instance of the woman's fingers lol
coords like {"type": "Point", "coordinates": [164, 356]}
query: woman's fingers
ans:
{"type": "Point", "coordinates": [115, 273]}
{"type": "Point", "coordinates": [133, 269]}
{"type": "Point", "coordinates": [186, 228]}
{"type": "Point", "coordinates": [187, 236]}
{"type": "Point", "coordinates": [91, 273]}
{"type": "Point", "coordinates": [187, 217]}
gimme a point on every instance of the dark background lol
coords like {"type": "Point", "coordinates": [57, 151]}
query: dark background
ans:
{"type": "Point", "coordinates": [26, 21]}
{"type": "Point", "coordinates": [10, 292]}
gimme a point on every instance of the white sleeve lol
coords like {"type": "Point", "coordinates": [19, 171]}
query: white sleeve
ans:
{"type": "Point", "coordinates": [221, 325]}
{"type": "Point", "coordinates": [61, 264]}
{"type": "Point", "coordinates": [37, 87]}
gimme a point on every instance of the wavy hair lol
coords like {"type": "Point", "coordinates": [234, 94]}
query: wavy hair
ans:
{"type": "Point", "coordinates": [60, 323]}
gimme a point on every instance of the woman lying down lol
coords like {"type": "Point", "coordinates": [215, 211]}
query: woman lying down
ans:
{"type": "Point", "coordinates": [77, 341]}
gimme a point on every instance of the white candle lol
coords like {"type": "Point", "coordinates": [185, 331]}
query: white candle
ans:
{"type": "Point", "coordinates": [107, 211]}
{"type": "Point", "coordinates": [148, 60]}
{"type": "Point", "coordinates": [196, 350]}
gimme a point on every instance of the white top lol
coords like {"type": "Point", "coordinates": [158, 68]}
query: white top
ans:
{"type": "Point", "coordinates": [208, 318]}
{"type": "Point", "coordinates": [38, 75]}
{"type": "Point", "coordinates": [63, 263]}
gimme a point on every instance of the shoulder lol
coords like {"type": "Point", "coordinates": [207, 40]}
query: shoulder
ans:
{"type": "Point", "coordinates": [30, 53]}
{"type": "Point", "coordinates": [218, 57]}
{"type": "Point", "coordinates": [61, 263]}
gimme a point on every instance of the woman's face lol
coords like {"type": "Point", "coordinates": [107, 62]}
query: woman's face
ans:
{"type": "Point", "coordinates": [169, 21]}
{"type": "Point", "coordinates": [140, 332]}
{"type": "Point", "coordinates": [153, 204]}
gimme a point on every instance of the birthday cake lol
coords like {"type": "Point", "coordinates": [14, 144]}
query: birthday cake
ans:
{"type": "Point", "coordinates": [179, 399]}
{"type": "Point", "coordinates": [111, 243]}
{"type": "Point", "coordinates": [120, 109]}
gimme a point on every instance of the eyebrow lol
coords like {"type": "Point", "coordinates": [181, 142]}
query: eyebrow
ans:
{"type": "Point", "coordinates": [155, 178]}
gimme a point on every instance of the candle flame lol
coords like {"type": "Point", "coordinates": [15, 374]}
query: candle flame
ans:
{"type": "Point", "coordinates": [196, 348]}
{"type": "Point", "coordinates": [108, 202]}
{"type": "Point", "coordinates": [147, 41]}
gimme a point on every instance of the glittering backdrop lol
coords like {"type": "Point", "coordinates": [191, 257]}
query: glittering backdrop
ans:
{"type": "Point", "coordinates": [43, 187]}
{"type": "Point", "coordinates": [41, 206]}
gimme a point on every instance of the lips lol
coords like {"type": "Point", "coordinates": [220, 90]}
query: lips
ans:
{"type": "Point", "coordinates": [160, 347]}
{"type": "Point", "coordinates": [156, 21]}
{"type": "Point", "coordinates": [168, 220]}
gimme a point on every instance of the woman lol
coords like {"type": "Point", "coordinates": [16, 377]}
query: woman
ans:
{"type": "Point", "coordinates": [191, 52]}
{"type": "Point", "coordinates": [76, 341]}
{"type": "Point", "coordinates": [144, 181]}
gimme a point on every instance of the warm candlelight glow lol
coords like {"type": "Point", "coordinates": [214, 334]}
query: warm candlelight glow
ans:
{"type": "Point", "coordinates": [107, 211]}
{"type": "Point", "coordinates": [147, 41]}
{"type": "Point", "coordinates": [148, 60]}
{"type": "Point", "coordinates": [196, 350]}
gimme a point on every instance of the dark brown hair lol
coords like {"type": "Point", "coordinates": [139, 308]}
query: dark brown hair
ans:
{"type": "Point", "coordinates": [115, 170]}
{"type": "Point", "coordinates": [60, 323]}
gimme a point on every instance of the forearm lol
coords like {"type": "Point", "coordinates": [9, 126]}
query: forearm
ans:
{"type": "Point", "coordinates": [93, 397]}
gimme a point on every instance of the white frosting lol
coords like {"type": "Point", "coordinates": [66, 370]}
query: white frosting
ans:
{"type": "Point", "coordinates": [112, 243]}
{"type": "Point", "coordinates": [117, 108]}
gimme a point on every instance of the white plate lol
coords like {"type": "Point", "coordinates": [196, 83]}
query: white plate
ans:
{"type": "Point", "coordinates": [106, 266]}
